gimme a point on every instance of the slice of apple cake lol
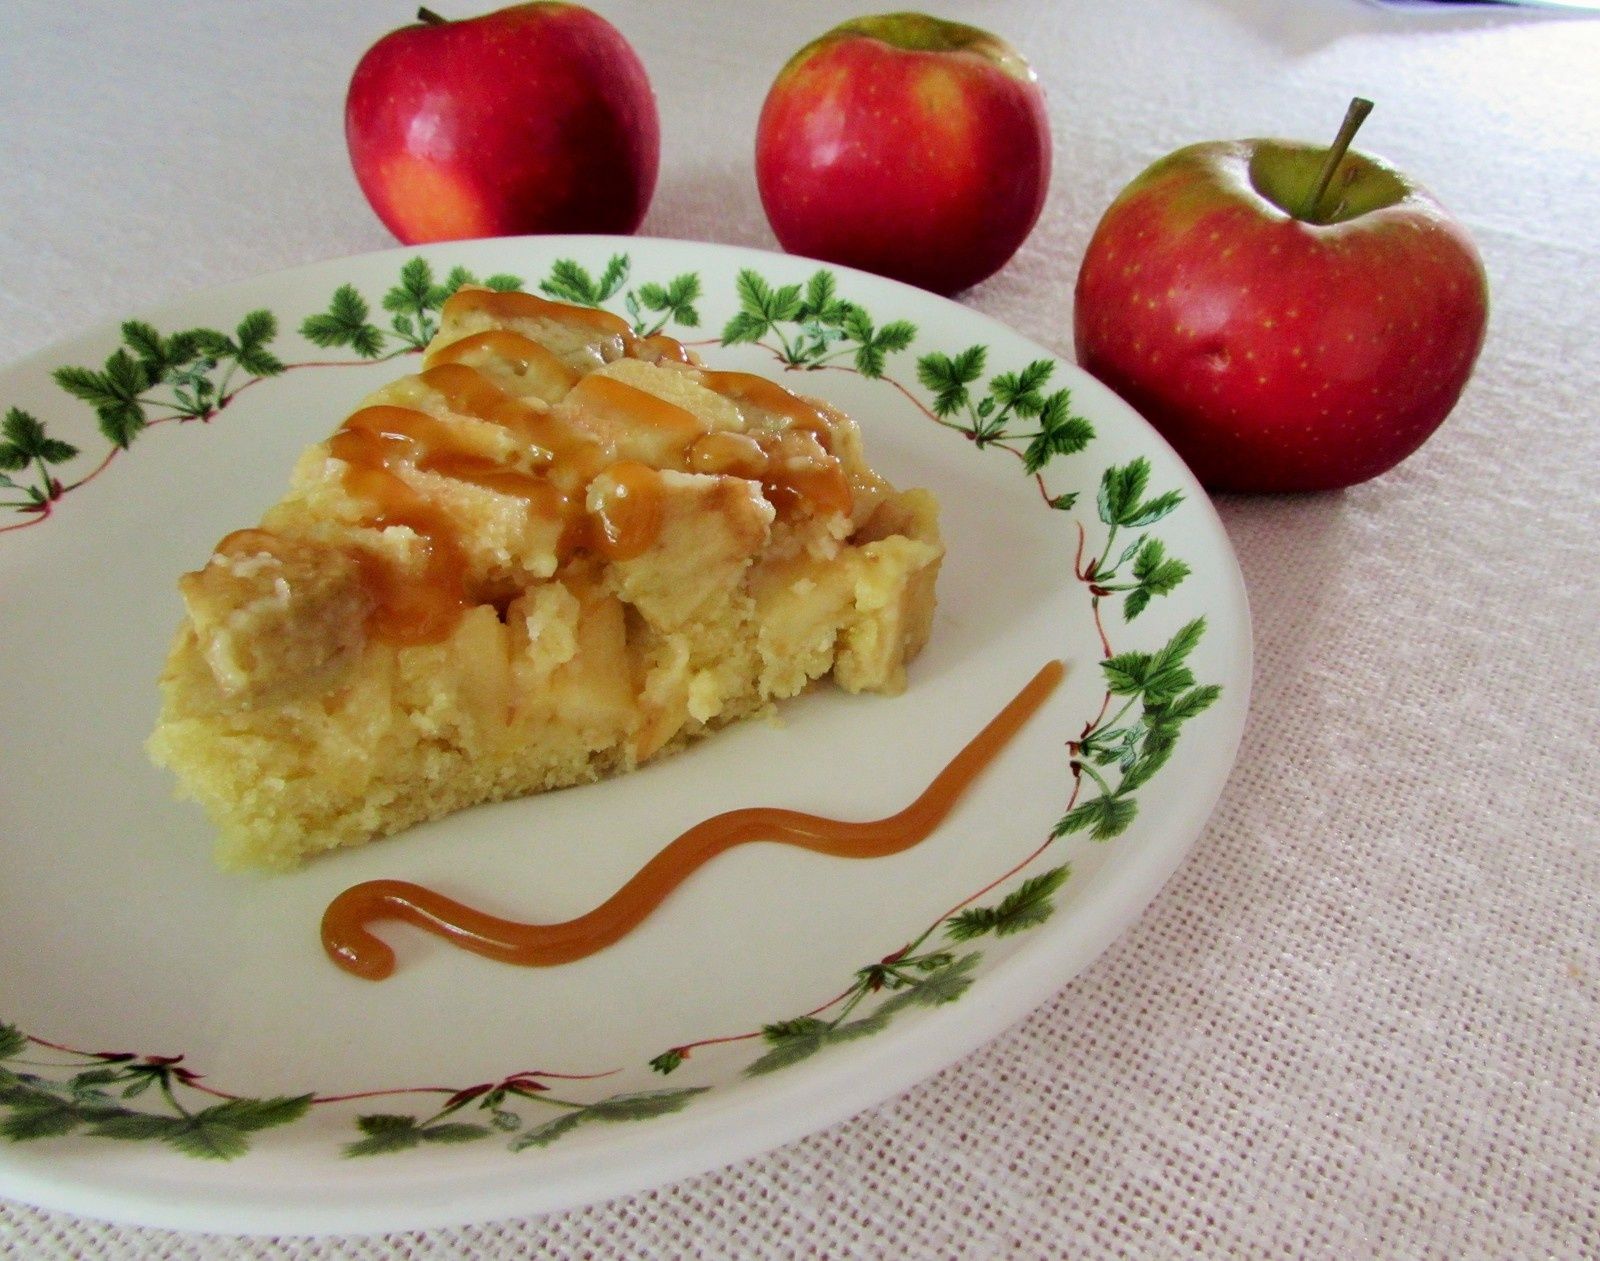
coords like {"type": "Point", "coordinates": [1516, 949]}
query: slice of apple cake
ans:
{"type": "Point", "coordinates": [555, 552]}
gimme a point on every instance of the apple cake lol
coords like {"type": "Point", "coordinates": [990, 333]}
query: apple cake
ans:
{"type": "Point", "coordinates": [555, 552]}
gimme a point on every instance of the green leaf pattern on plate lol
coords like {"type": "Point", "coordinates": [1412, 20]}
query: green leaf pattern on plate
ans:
{"type": "Point", "coordinates": [48, 1091]}
{"type": "Point", "coordinates": [94, 1094]}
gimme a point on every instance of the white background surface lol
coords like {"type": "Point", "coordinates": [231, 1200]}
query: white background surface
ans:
{"type": "Point", "coordinates": [1362, 1020]}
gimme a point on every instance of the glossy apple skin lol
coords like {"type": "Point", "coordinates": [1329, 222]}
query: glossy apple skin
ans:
{"type": "Point", "coordinates": [1277, 354]}
{"type": "Point", "coordinates": [534, 118]}
{"type": "Point", "coordinates": [924, 165]}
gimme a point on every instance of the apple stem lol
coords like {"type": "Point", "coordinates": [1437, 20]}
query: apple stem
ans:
{"type": "Point", "coordinates": [428, 16]}
{"type": "Point", "coordinates": [1353, 118]}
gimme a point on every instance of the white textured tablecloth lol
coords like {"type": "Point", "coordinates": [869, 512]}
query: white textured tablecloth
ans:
{"type": "Point", "coordinates": [1364, 1018]}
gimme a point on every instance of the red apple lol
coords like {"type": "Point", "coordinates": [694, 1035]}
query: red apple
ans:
{"type": "Point", "coordinates": [534, 118]}
{"type": "Point", "coordinates": [1290, 317]}
{"type": "Point", "coordinates": [908, 146]}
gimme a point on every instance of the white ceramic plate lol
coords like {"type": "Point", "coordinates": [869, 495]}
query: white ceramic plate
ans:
{"type": "Point", "coordinates": [174, 1047]}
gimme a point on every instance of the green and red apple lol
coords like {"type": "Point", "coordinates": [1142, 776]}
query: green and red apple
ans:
{"type": "Point", "coordinates": [534, 118]}
{"type": "Point", "coordinates": [905, 145]}
{"type": "Point", "coordinates": [1290, 317]}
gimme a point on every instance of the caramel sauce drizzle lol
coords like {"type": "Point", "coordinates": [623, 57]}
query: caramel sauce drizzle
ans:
{"type": "Point", "coordinates": [800, 465]}
{"type": "Point", "coordinates": [628, 517]}
{"type": "Point", "coordinates": [557, 460]}
{"type": "Point", "coordinates": [352, 945]}
{"type": "Point", "coordinates": [523, 354]}
{"type": "Point", "coordinates": [516, 304]}
{"type": "Point", "coordinates": [506, 305]}
{"type": "Point", "coordinates": [373, 443]}
{"type": "Point", "coordinates": [747, 387]}
{"type": "Point", "coordinates": [614, 401]}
